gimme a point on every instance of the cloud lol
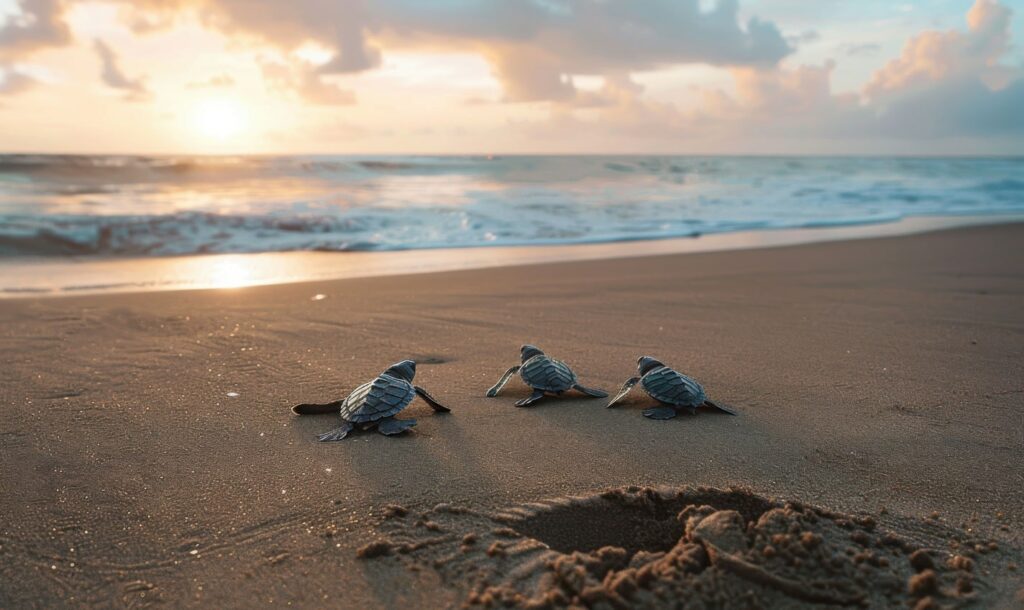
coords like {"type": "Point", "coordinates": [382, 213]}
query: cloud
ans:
{"type": "Point", "coordinates": [13, 81]}
{"type": "Point", "coordinates": [937, 89]}
{"type": "Point", "coordinates": [111, 74]}
{"type": "Point", "coordinates": [340, 25]}
{"type": "Point", "coordinates": [214, 82]}
{"type": "Point", "coordinates": [39, 24]}
{"type": "Point", "coordinates": [953, 82]}
{"type": "Point", "coordinates": [961, 106]}
{"type": "Point", "coordinates": [943, 84]}
{"type": "Point", "coordinates": [860, 49]}
{"type": "Point", "coordinates": [805, 37]}
{"type": "Point", "coordinates": [534, 46]}
{"type": "Point", "coordinates": [305, 81]}
{"type": "Point", "coordinates": [933, 57]}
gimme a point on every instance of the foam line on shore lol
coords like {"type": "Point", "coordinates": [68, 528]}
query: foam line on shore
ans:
{"type": "Point", "coordinates": [27, 277]}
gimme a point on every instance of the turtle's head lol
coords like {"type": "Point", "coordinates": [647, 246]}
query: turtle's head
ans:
{"type": "Point", "coordinates": [645, 364]}
{"type": "Point", "coordinates": [405, 369]}
{"type": "Point", "coordinates": [529, 351]}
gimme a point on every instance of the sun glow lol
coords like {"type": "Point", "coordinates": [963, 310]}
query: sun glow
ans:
{"type": "Point", "coordinates": [219, 119]}
{"type": "Point", "coordinates": [230, 271]}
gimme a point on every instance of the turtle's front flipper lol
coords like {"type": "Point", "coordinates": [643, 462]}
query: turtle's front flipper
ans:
{"type": "Point", "coordinates": [660, 412]}
{"type": "Point", "coordinates": [590, 391]}
{"type": "Point", "coordinates": [626, 387]}
{"type": "Point", "coordinates": [315, 409]}
{"type": "Point", "coordinates": [537, 395]}
{"type": "Point", "coordinates": [501, 382]}
{"type": "Point", "coordinates": [440, 408]}
{"type": "Point", "coordinates": [722, 408]}
{"type": "Point", "coordinates": [337, 434]}
{"type": "Point", "coordinates": [390, 426]}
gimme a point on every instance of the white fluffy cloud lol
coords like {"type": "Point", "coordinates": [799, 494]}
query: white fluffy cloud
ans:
{"type": "Point", "coordinates": [954, 82]}
{"type": "Point", "coordinates": [935, 57]}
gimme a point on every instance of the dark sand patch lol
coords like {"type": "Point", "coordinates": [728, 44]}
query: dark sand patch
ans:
{"type": "Point", "coordinates": [691, 548]}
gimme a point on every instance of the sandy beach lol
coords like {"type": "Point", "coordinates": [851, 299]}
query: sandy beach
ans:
{"type": "Point", "coordinates": [150, 457]}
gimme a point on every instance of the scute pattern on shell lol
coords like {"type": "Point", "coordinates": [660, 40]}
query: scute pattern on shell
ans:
{"type": "Point", "coordinates": [548, 374]}
{"type": "Point", "coordinates": [383, 397]}
{"type": "Point", "coordinates": [674, 388]}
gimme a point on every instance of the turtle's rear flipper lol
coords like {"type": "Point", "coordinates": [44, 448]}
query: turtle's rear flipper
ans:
{"type": "Point", "coordinates": [722, 408]}
{"type": "Point", "coordinates": [501, 382]}
{"type": "Point", "coordinates": [337, 434]}
{"type": "Point", "coordinates": [440, 408]}
{"type": "Point", "coordinates": [537, 395]}
{"type": "Point", "coordinates": [626, 387]}
{"type": "Point", "coordinates": [590, 391]}
{"type": "Point", "coordinates": [315, 409]}
{"type": "Point", "coordinates": [390, 426]}
{"type": "Point", "coordinates": [660, 412]}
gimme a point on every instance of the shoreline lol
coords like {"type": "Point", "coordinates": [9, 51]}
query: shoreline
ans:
{"type": "Point", "coordinates": [49, 277]}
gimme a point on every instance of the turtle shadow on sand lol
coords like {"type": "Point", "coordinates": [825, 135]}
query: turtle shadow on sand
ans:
{"type": "Point", "coordinates": [374, 404]}
{"type": "Point", "coordinates": [545, 375]}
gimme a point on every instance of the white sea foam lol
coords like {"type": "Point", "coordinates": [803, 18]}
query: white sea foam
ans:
{"type": "Point", "coordinates": [132, 206]}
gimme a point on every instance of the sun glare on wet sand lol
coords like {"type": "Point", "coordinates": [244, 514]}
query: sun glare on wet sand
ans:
{"type": "Point", "coordinates": [230, 272]}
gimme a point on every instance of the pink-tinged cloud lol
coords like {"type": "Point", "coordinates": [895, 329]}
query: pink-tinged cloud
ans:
{"type": "Point", "coordinates": [944, 84]}
{"type": "Point", "coordinates": [533, 45]}
{"type": "Point", "coordinates": [797, 104]}
{"type": "Point", "coordinates": [933, 57]}
{"type": "Point", "coordinates": [303, 81]}
{"type": "Point", "coordinates": [953, 82]}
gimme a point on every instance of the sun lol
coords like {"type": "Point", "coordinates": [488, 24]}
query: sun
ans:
{"type": "Point", "coordinates": [219, 119]}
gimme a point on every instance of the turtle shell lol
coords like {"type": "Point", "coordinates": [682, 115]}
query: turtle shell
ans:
{"type": "Point", "coordinates": [383, 397]}
{"type": "Point", "coordinates": [547, 374]}
{"type": "Point", "coordinates": [674, 388]}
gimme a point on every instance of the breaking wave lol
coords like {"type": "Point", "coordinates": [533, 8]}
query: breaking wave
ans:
{"type": "Point", "coordinates": [54, 205]}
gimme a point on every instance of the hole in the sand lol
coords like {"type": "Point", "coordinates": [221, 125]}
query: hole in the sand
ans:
{"type": "Point", "coordinates": [638, 520]}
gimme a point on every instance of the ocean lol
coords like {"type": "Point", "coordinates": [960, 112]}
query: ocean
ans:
{"type": "Point", "coordinates": [140, 206]}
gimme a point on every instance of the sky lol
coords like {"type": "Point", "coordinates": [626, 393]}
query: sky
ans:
{"type": "Point", "coordinates": [512, 76]}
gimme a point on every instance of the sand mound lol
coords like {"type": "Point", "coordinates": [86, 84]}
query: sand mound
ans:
{"type": "Point", "coordinates": [645, 548]}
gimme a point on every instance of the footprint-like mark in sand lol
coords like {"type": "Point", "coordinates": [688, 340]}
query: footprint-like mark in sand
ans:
{"type": "Point", "coordinates": [700, 548]}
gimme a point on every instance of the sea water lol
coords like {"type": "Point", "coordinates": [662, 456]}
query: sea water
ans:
{"type": "Point", "coordinates": [132, 206]}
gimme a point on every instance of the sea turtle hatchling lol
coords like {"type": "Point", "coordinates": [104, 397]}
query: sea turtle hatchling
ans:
{"type": "Point", "coordinates": [375, 403]}
{"type": "Point", "coordinates": [675, 390]}
{"type": "Point", "coordinates": [545, 375]}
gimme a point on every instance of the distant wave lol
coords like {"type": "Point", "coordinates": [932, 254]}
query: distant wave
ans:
{"type": "Point", "coordinates": [61, 205]}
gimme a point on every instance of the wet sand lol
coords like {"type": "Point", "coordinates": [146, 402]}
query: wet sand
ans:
{"type": "Point", "coordinates": [877, 378]}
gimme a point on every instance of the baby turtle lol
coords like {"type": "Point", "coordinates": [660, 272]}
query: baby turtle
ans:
{"type": "Point", "coordinates": [375, 403]}
{"type": "Point", "coordinates": [670, 387]}
{"type": "Point", "coordinates": [545, 375]}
